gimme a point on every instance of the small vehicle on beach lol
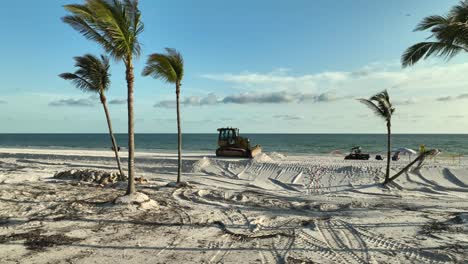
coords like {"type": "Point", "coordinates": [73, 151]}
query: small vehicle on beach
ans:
{"type": "Point", "coordinates": [230, 144]}
{"type": "Point", "coordinates": [356, 154]}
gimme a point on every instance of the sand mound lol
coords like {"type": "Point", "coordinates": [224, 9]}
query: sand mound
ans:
{"type": "Point", "coordinates": [262, 157]}
{"type": "Point", "coordinates": [199, 165]}
{"type": "Point", "coordinates": [329, 207]}
{"type": "Point", "coordinates": [92, 176]}
{"type": "Point", "coordinates": [140, 200]}
{"type": "Point", "coordinates": [277, 156]}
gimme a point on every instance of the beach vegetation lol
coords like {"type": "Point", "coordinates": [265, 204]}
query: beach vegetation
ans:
{"type": "Point", "coordinates": [115, 25]}
{"type": "Point", "coordinates": [449, 36]}
{"type": "Point", "coordinates": [382, 107]}
{"type": "Point", "coordinates": [169, 67]}
{"type": "Point", "coordinates": [92, 75]}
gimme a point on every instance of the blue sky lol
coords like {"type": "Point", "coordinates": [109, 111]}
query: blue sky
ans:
{"type": "Point", "coordinates": [263, 66]}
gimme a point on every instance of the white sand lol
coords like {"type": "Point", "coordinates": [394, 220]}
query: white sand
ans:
{"type": "Point", "coordinates": [273, 209]}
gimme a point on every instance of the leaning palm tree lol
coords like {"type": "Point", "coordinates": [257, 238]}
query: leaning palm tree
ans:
{"type": "Point", "coordinates": [382, 107]}
{"type": "Point", "coordinates": [169, 67]}
{"type": "Point", "coordinates": [115, 25]}
{"type": "Point", "coordinates": [449, 34]}
{"type": "Point", "coordinates": [93, 75]}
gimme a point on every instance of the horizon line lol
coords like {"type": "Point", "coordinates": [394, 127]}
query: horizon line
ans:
{"type": "Point", "coordinates": [195, 133]}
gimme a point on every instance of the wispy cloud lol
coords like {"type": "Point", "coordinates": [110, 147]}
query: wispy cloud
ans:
{"type": "Point", "coordinates": [456, 116]}
{"type": "Point", "coordinates": [409, 101]}
{"type": "Point", "coordinates": [280, 97]}
{"type": "Point", "coordinates": [82, 102]}
{"type": "Point", "coordinates": [254, 98]}
{"type": "Point", "coordinates": [277, 77]}
{"type": "Point", "coordinates": [288, 117]}
{"type": "Point", "coordinates": [261, 98]}
{"type": "Point", "coordinates": [210, 99]}
{"type": "Point", "coordinates": [410, 116]}
{"type": "Point", "coordinates": [452, 98]}
{"type": "Point", "coordinates": [166, 104]}
{"type": "Point", "coordinates": [361, 82]}
{"type": "Point", "coordinates": [118, 101]}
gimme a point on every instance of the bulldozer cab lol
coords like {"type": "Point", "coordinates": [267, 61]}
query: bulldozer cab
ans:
{"type": "Point", "coordinates": [230, 144]}
{"type": "Point", "coordinates": [227, 136]}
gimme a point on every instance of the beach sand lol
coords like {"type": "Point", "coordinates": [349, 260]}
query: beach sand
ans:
{"type": "Point", "coordinates": [272, 209]}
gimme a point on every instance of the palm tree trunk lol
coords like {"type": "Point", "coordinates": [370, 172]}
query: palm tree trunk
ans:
{"type": "Point", "coordinates": [179, 135]}
{"type": "Point", "coordinates": [420, 158]}
{"type": "Point", "coordinates": [389, 152]}
{"type": "Point", "coordinates": [111, 134]}
{"type": "Point", "coordinates": [131, 134]}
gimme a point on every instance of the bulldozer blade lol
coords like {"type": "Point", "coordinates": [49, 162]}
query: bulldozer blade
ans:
{"type": "Point", "coordinates": [255, 151]}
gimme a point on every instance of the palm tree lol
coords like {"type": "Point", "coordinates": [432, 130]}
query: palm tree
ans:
{"type": "Point", "coordinates": [115, 25]}
{"type": "Point", "coordinates": [93, 76]}
{"type": "Point", "coordinates": [382, 107]}
{"type": "Point", "coordinates": [169, 67]}
{"type": "Point", "coordinates": [449, 34]}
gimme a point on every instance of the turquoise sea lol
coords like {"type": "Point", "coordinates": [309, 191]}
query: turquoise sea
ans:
{"type": "Point", "coordinates": [283, 143]}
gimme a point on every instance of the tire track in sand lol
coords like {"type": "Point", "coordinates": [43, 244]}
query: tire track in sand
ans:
{"type": "Point", "coordinates": [185, 222]}
{"type": "Point", "coordinates": [316, 247]}
{"type": "Point", "coordinates": [336, 241]}
{"type": "Point", "coordinates": [398, 247]}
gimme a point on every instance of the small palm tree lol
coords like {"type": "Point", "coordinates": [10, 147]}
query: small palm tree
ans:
{"type": "Point", "coordinates": [382, 107]}
{"type": "Point", "coordinates": [169, 67]}
{"type": "Point", "coordinates": [93, 75]}
{"type": "Point", "coordinates": [115, 25]}
{"type": "Point", "coordinates": [450, 34]}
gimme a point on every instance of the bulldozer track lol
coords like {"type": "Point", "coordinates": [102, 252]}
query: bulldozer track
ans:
{"type": "Point", "coordinates": [389, 244]}
{"type": "Point", "coordinates": [185, 222]}
{"type": "Point", "coordinates": [306, 241]}
{"type": "Point", "coordinates": [224, 243]}
{"type": "Point", "coordinates": [237, 217]}
{"type": "Point", "coordinates": [282, 247]}
{"type": "Point", "coordinates": [335, 240]}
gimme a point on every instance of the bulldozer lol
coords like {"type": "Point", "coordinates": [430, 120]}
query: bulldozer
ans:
{"type": "Point", "coordinates": [230, 144]}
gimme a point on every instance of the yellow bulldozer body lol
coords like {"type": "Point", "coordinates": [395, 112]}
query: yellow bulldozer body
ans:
{"type": "Point", "coordinates": [230, 144]}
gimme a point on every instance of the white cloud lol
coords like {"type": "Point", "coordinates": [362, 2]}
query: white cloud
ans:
{"type": "Point", "coordinates": [81, 102]}
{"type": "Point", "coordinates": [452, 98]}
{"type": "Point", "coordinates": [118, 101]}
{"type": "Point", "coordinates": [166, 104]}
{"type": "Point", "coordinates": [277, 77]}
{"type": "Point", "coordinates": [363, 82]}
{"type": "Point", "coordinates": [409, 101]}
{"type": "Point", "coordinates": [288, 117]}
{"type": "Point", "coordinates": [254, 98]}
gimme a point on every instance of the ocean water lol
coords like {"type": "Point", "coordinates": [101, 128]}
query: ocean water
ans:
{"type": "Point", "coordinates": [282, 143]}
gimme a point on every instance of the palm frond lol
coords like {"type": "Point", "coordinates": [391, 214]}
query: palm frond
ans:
{"type": "Point", "coordinates": [114, 24]}
{"type": "Point", "coordinates": [177, 62]}
{"type": "Point", "coordinates": [78, 81]}
{"type": "Point", "coordinates": [373, 107]}
{"type": "Point", "coordinates": [431, 21]}
{"type": "Point", "coordinates": [423, 50]}
{"type": "Point", "coordinates": [88, 30]}
{"type": "Point", "coordinates": [450, 33]}
{"type": "Point", "coordinates": [459, 13]}
{"type": "Point", "coordinates": [167, 67]}
{"type": "Point", "coordinates": [453, 33]}
{"type": "Point", "coordinates": [92, 74]}
{"type": "Point", "coordinates": [380, 104]}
